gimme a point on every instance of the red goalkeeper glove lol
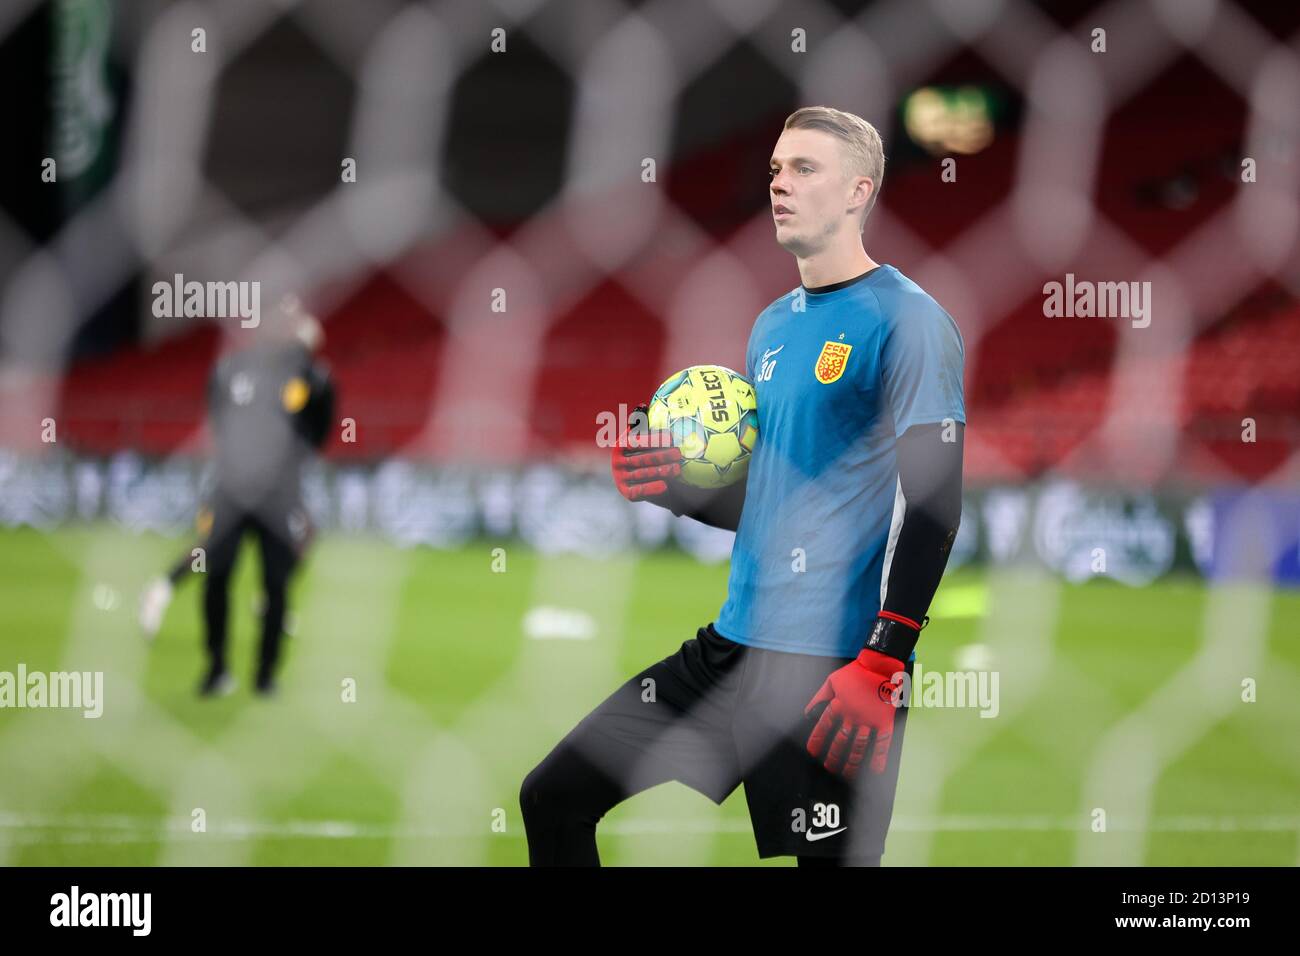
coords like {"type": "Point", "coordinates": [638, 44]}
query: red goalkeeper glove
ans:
{"type": "Point", "coordinates": [642, 461]}
{"type": "Point", "coordinates": [861, 701]}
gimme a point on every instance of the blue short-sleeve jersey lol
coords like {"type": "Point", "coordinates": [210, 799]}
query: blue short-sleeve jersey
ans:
{"type": "Point", "coordinates": [840, 375]}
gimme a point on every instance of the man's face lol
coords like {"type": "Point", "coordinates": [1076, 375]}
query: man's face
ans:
{"type": "Point", "coordinates": [812, 192]}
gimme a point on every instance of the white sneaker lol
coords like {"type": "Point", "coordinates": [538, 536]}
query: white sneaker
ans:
{"type": "Point", "coordinates": [153, 605]}
{"type": "Point", "coordinates": [217, 685]}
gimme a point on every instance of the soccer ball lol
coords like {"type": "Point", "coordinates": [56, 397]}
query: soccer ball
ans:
{"type": "Point", "coordinates": [712, 413]}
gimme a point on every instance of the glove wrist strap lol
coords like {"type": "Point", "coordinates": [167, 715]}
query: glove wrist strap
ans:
{"type": "Point", "coordinates": [892, 638]}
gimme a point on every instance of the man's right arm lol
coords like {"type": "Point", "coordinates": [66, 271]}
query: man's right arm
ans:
{"type": "Point", "coordinates": [647, 467]}
{"type": "Point", "coordinates": [719, 507]}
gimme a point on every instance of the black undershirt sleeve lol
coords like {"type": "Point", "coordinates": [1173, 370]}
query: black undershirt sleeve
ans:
{"type": "Point", "coordinates": [929, 475]}
{"type": "Point", "coordinates": [720, 508]}
{"type": "Point", "coordinates": [316, 417]}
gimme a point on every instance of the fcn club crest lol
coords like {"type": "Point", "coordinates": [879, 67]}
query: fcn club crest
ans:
{"type": "Point", "coordinates": [830, 364]}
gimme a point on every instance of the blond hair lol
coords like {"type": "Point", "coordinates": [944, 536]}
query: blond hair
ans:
{"type": "Point", "coordinates": [866, 151]}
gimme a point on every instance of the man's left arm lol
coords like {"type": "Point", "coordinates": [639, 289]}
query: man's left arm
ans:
{"type": "Point", "coordinates": [861, 697]}
{"type": "Point", "coordinates": [929, 478]}
{"type": "Point", "coordinates": [921, 372]}
{"type": "Point", "coordinates": [317, 415]}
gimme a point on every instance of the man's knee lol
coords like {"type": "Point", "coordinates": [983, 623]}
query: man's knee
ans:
{"type": "Point", "coordinates": [565, 788]}
{"type": "Point", "coordinates": [542, 796]}
{"type": "Point", "coordinates": [276, 574]}
{"type": "Point", "coordinates": [530, 791]}
{"type": "Point", "coordinates": [216, 585]}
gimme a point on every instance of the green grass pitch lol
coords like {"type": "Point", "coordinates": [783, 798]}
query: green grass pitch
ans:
{"type": "Point", "coordinates": [1126, 700]}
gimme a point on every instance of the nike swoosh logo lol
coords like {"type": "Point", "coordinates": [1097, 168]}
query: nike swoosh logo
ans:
{"type": "Point", "coordinates": [768, 353]}
{"type": "Point", "coordinates": [814, 837]}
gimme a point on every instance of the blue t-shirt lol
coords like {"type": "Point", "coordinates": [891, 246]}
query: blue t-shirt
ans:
{"type": "Point", "coordinates": [840, 375]}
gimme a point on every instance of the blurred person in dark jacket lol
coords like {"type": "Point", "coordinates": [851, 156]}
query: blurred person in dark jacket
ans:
{"type": "Point", "coordinates": [270, 408]}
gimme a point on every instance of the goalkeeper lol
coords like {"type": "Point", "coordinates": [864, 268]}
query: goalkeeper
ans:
{"type": "Point", "coordinates": [843, 529]}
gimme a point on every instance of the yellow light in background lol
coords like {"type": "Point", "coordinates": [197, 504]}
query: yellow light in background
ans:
{"type": "Point", "coordinates": [949, 120]}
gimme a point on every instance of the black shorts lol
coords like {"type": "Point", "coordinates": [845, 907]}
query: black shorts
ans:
{"type": "Point", "coordinates": [717, 714]}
